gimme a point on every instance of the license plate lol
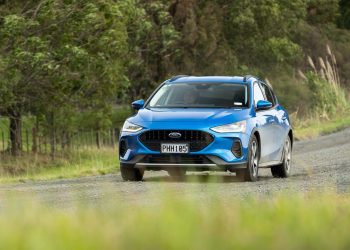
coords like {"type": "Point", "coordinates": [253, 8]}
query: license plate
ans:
{"type": "Point", "coordinates": [174, 148]}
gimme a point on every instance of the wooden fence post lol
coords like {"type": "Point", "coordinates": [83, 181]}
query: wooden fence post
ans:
{"type": "Point", "coordinates": [113, 137]}
{"type": "Point", "coordinates": [3, 140]}
{"type": "Point", "coordinates": [27, 140]}
{"type": "Point", "coordinates": [34, 140]}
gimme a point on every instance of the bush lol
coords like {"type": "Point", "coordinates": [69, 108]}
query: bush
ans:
{"type": "Point", "coordinates": [327, 99]}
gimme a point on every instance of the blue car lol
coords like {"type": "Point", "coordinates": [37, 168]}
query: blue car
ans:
{"type": "Point", "coordinates": [220, 123]}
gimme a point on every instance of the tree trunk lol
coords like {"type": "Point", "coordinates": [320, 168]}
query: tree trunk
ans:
{"type": "Point", "coordinates": [15, 132]}
{"type": "Point", "coordinates": [98, 139]}
{"type": "Point", "coordinates": [52, 129]}
{"type": "Point", "coordinates": [35, 137]}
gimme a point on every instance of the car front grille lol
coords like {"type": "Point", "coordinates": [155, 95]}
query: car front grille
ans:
{"type": "Point", "coordinates": [197, 139]}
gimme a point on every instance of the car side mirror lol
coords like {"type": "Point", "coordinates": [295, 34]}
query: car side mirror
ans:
{"type": "Point", "coordinates": [138, 104]}
{"type": "Point", "coordinates": [263, 105]}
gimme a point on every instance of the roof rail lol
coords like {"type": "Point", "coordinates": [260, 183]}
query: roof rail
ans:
{"type": "Point", "coordinates": [177, 77]}
{"type": "Point", "coordinates": [246, 77]}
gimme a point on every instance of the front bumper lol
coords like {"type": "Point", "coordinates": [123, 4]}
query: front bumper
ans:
{"type": "Point", "coordinates": [198, 163]}
{"type": "Point", "coordinates": [218, 154]}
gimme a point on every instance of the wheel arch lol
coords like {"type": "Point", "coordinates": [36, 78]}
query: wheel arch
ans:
{"type": "Point", "coordinates": [291, 137]}
{"type": "Point", "coordinates": [257, 136]}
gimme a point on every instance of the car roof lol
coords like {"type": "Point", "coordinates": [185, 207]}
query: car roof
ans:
{"type": "Point", "coordinates": [218, 79]}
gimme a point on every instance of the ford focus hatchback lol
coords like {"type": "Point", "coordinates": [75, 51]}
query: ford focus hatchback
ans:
{"type": "Point", "coordinates": [207, 123]}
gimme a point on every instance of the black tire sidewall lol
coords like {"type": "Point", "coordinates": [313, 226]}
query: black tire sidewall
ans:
{"type": "Point", "coordinates": [280, 171]}
{"type": "Point", "coordinates": [130, 173]}
{"type": "Point", "coordinates": [249, 171]}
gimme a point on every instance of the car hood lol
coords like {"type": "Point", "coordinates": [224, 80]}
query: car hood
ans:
{"type": "Point", "coordinates": [191, 115]}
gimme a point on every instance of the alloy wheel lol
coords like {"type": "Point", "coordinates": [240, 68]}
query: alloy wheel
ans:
{"type": "Point", "coordinates": [288, 155]}
{"type": "Point", "coordinates": [254, 158]}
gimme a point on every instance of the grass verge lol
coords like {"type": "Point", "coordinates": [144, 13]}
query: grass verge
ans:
{"type": "Point", "coordinates": [312, 128]}
{"type": "Point", "coordinates": [286, 222]}
{"type": "Point", "coordinates": [76, 164]}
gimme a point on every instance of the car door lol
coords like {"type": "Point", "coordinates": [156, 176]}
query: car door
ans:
{"type": "Point", "coordinates": [282, 121]}
{"type": "Point", "coordinates": [279, 131]}
{"type": "Point", "coordinates": [264, 123]}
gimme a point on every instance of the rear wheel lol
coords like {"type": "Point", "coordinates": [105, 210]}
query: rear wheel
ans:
{"type": "Point", "coordinates": [250, 173]}
{"type": "Point", "coordinates": [177, 173]}
{"type": "Point", "coordinates": [130, 173]}
{"type": "Point", "coordinates": [283, 170]}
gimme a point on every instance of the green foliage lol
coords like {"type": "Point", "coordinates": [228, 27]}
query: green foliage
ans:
{"type": "Point", "coordinates": [326, 98]}
{"type": "Point", "coordinates": [60, 58]}
{"type": "Point", "coordinates": [282, 50]}
{"type": "Point", "coordinates": [293, 94]}
{"type": "Point", "coordinates": [152, 39]}
{"type": "Point", "coordinates": [252, 30]}
{"type": "Point", "coordinates": [344, 19]}
{"type": "Point", "coordinates": [323, 11]}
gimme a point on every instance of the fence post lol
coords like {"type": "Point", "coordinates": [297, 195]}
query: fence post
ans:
{"type": "Point", "coordinates": [3, 140]}
{"type": "Point", "coordinates": [35, 140]}
{"type": "Point", "coordinates": [113, 137]}
{"type": "Point", "coordinates": [27, 140]}
{"type": "Point", "coordinates": [117, 133]}
{"type": "Point", "coordinates": [45, 145]}
{"type": "Point", "coordinates": [39, 143]}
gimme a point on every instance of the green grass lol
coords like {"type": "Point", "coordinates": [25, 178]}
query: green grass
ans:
{"type": "Point", "coordinates": [76, 164]}
{"type": "Point", "coordinates": [315, 221]}
{"type": "Point", "coordinates": [311, 128]}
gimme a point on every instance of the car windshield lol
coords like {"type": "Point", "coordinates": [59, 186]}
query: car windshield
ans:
{"type": "Point", "coordinates": [200, 95]}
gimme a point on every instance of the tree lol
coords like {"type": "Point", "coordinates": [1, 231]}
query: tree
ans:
{"type": "Point", "coordinates": [263, 31]}
{"type": "Point", "coordinates": [344, 18]}
{"type": "Point", "coordinates": [59, 56]}
{"type": "Point", "coordinates": [152, 45]}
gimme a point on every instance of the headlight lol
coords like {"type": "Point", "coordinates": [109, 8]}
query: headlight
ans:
{"type": "Point", "coordinates": [130, 127]}
{"type": "Point", "coordinates": [231, 128]}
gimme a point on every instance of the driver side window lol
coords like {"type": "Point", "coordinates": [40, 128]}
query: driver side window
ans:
{"type": "Point", "coordinates": [258, 94]}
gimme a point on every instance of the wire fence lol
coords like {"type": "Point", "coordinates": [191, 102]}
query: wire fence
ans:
{"type": "Point", "coordinates": [41, 142]}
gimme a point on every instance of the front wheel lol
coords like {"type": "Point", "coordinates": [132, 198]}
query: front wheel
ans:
{"type": "Point", "coordinates": [283, 170]}
{"type": "Point", "coordinates": [250, 173]}
{"type": "Point", "coordinates": [130, 173]}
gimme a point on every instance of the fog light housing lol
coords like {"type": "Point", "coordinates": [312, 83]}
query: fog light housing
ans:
{"type": "Point", "coordinates": [122, 148]}
{"type": "Point", "coordinates": [237, 149]}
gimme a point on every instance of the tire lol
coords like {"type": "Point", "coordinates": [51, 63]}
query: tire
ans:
{"type": "Point", "coordinates": [283, 170]}
{"type": "Point", "coordinates": [130, 173]}
{"type": "Point", "coordinates": [251, 172]}
{"type": "Point", "coordinates": [177, 173]}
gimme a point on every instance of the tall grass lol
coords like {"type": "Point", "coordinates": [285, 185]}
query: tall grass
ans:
{"type": "Point", "coordinates": [77, 163]}
{"type": "Point", "coordinates": [330, 107]}
{"type": "Point", "coordinates": [286, 222]}
{"type": "Point", "coordinates": [328, 96]}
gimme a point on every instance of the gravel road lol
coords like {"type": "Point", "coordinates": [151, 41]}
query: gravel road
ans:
{"type": "Point", "coordinates": [319, 165]}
